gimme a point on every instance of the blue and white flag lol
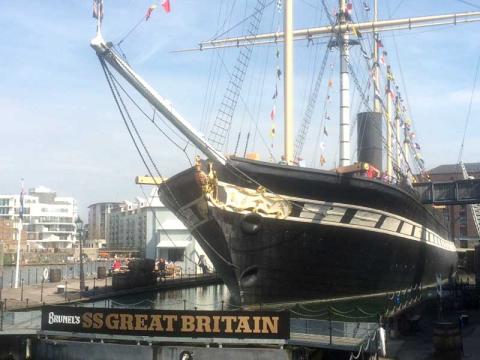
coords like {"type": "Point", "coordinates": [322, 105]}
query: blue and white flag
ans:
{"type": "Point", "coordinates": [98, 9]}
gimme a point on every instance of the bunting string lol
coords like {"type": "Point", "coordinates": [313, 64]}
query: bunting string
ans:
{"type": "Point", "coordinates": [401, 113]}
{"type": "Point", "coordinates": [165, 4]}
{"type": "Point", "coordinates": [278, 75]}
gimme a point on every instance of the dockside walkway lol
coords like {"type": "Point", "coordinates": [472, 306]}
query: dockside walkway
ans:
{"type": "Point", "coordinates": [68, 291]}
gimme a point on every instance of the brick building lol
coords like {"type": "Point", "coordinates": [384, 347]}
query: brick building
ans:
{"type": "Point", "coordinates": [8, 236]}
{"type": "Point", "coordinates": [458, 217]}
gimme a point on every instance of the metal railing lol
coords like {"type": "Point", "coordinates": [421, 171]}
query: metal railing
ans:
{"type": "Point", "coordinates": [19, 320]}
{"type": "Point", "coordinates": [475, 208]}
{"type": "Point", "coordinates": [32, 275]}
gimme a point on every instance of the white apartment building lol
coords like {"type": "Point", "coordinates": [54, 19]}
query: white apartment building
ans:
{"type": "Point", "coordinates": [48, 220]}
{"type": "Point", "coordinates": [146, 228]}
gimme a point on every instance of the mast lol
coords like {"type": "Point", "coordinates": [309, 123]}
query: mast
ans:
{"type": "Point", "coordinates": [288, 81]}
{"type": "Point", "coordinates": [376, 79]}
{"type": "Point", "coordinates": [406, 146]}
{"type": "Point", "coordinates": [344, 91]}
{"type": "Point", "coordinates": [19, 240]}
{"type": "Point", "coordinates": [19, 236]}
{"type": "Point", "coordinates": [388, 118]}
{"type": "Point", "coordinates": [398, 144]}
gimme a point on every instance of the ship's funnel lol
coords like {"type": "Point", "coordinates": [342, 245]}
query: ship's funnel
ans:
{"type": "Point", "coordinates": [369, 138]}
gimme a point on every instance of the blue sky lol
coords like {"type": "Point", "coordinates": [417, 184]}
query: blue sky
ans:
{"type": "Point", "coordinates": [60, 127]}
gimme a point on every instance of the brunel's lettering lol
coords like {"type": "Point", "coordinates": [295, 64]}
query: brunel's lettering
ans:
{"type": "Point", "coordinates": [62, 319]}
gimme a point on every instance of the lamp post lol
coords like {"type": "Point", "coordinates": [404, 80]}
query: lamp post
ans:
{"type": "Point", "coordinates": [79, 224]}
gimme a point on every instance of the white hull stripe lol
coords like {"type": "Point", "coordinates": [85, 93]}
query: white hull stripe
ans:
{"type": "Point", "coordinates": [357, 217]}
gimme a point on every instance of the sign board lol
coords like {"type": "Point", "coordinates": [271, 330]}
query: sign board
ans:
{"type": "Point", "coordinates": [45, 274]}
{"type": "Point", "coordinates": [169, 323]}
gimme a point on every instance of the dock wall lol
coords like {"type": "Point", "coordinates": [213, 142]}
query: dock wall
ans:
{"type": "Point", "coordinates": [73, 350]}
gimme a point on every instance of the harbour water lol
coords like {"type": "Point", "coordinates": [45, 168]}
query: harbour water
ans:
{"type": "Point", "coordinates": [211, 297]}
{"type": "Point", "coordinates": [217, 297]}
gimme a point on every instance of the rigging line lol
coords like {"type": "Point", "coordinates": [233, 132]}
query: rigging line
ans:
{"type": "Point", "coordinates": [397, 55]}
{"type": "Point", "coordinates": [105, 68]}
{"type": "Point", "coordinates": [213, 95]}
{"type": "Point", "coordinates": [241, 22]}
{"type": "Point", "coordinates": [357, 84]}
{"type": "Point", "coordinates": [207, 92]}
{"type": "Point", "coordinates": [250, 116]}
{"type": "Point", "coordinates": [302, 132]}
{"type": "Point", "coordinates": [160, 224]}
{"type": "Point", "coordinates": [469, 3]}
{"type": "Point", "coordinates": [135, 128]}
{"type": "Point", "coordinates": [106, 71]}
{"type": "Point", "coordinates": [210, 82]}
{"type": "Point", "coordinates": [152, 120]}
{"type": "Point", "coordinates": [227, 16]}
{"type": "Point", "coordinates": [396, 8]}
{"type": "Point", "coordinates": [416, 163]}
{"type": "Point", "coordinates": [220, 132]}
{"type": "Point", "coordinates": [166, 185]}
{"type": "Point", "coordinates": [132, 30]}
{"type": "Point", "coordinates": [120, 50]}
{"type": "Point", "coordinates": [323, 121]}
{"type": "Point", "coordinates": [394, 130]}
{"type": "Point", "coordinates": [261, 89]}
{"type": "Point", "coordinates": [311, 5]}
{"type": "Point", "coordinates": [251, 82]}
{"type": "Point", "coordinates": [116, 94]}
{"type": "Point", "coordinates": [376, 126]}
{"type": "Point", "coordinates": [469, 110]}
{"type": "Point", "coordinates": [312, 62]}
{"type": "Point", "coordinates": [210, 97]}
{"type": "Point", "coordinates": [155, 214]}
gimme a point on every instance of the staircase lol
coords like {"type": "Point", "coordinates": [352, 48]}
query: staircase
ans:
{"type": "Point", "coordinates": [475, 208]}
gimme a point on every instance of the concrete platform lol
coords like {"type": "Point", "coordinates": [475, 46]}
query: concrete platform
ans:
{"type": "Point", "coordinates": [31, 296]}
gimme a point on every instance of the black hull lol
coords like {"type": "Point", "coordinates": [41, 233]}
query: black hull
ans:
{"type": "Point", "coordinates": [293, 259]}
{"type": "Point", "coordinates": [287, 261]}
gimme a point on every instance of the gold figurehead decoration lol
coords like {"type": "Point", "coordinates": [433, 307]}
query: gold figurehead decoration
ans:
{"type": "Point", "coordinates": [237, 198]}
{"type": "Point", "coordinates": [208, 182]}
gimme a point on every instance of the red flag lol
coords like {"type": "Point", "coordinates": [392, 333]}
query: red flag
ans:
{"type": "Point", "coordinates": [391, 94]}
{"type": "Point", "coordinates": [379, 43]}
{"type": "Point", "coordinates": [272, 114]}
{"type": "Point", "coordinates": [166, 5]}
{"type": "Point", "coordinates": [349, 8]}
{"type": "Point", "coordinates": [149, 11]}
{"type": "Point", "coordinates": [348, 11]}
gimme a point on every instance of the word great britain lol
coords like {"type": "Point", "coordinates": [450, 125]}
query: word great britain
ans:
{"type": "Point", "coordinates": [235, 324]}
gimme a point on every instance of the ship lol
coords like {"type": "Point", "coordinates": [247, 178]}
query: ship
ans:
{"type": "Point", "coordinates": [279, 232]}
